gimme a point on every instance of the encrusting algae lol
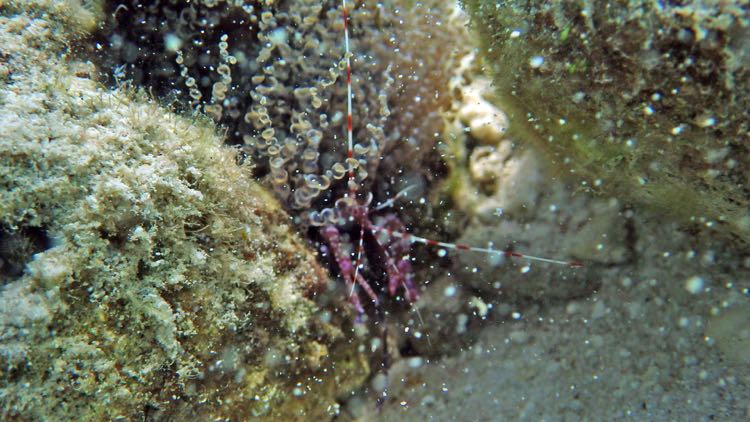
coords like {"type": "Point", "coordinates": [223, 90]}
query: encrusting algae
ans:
{"type": "Point", "coordinates": [144, 273]}
{"type": "Point", "coordinates": [645, 101]}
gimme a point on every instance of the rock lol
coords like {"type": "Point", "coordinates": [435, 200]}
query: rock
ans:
{"type": "Point", "coordinates": [646, 102]}
{"type": "Point", "coordinates": [149, 276]}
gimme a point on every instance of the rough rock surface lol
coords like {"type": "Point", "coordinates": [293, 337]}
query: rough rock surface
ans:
{"type": "Point", "coordinates": [644, 101]}
{"type": "Point", "coordinates": [143, 273]}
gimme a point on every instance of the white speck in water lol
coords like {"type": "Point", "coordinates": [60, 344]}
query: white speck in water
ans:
{"type": "Point", "coordinates": [705, 121]}
{"type": "Point", "coordinates": [536, 62]}
{"type": "Point", "coordinates": [172, 42]}
{"type": "Point", "coordinates": [694, 285]}
{"type": "Point", "coordinates": [415, 362]}
{"type": "Point", "coordinates": [375, 344]}
{"type": "Point", "coordinates": [278, 36]}
{"type": "Point", "coordinates": [495, 259]}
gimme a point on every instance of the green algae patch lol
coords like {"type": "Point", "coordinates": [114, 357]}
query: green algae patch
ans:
{"type": "Point", "coordinates": [143, 274]}
{"type": "Point", "coordinates": [644, 101]}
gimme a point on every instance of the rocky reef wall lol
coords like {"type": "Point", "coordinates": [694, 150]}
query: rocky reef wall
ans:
{"type": "Point", "coordinates": [644, 101]}
{"type": "Point", "coordinates": [144, 273]}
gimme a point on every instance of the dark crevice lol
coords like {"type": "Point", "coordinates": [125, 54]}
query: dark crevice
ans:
{"type": "Point", "coordinates": [17, 248]}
